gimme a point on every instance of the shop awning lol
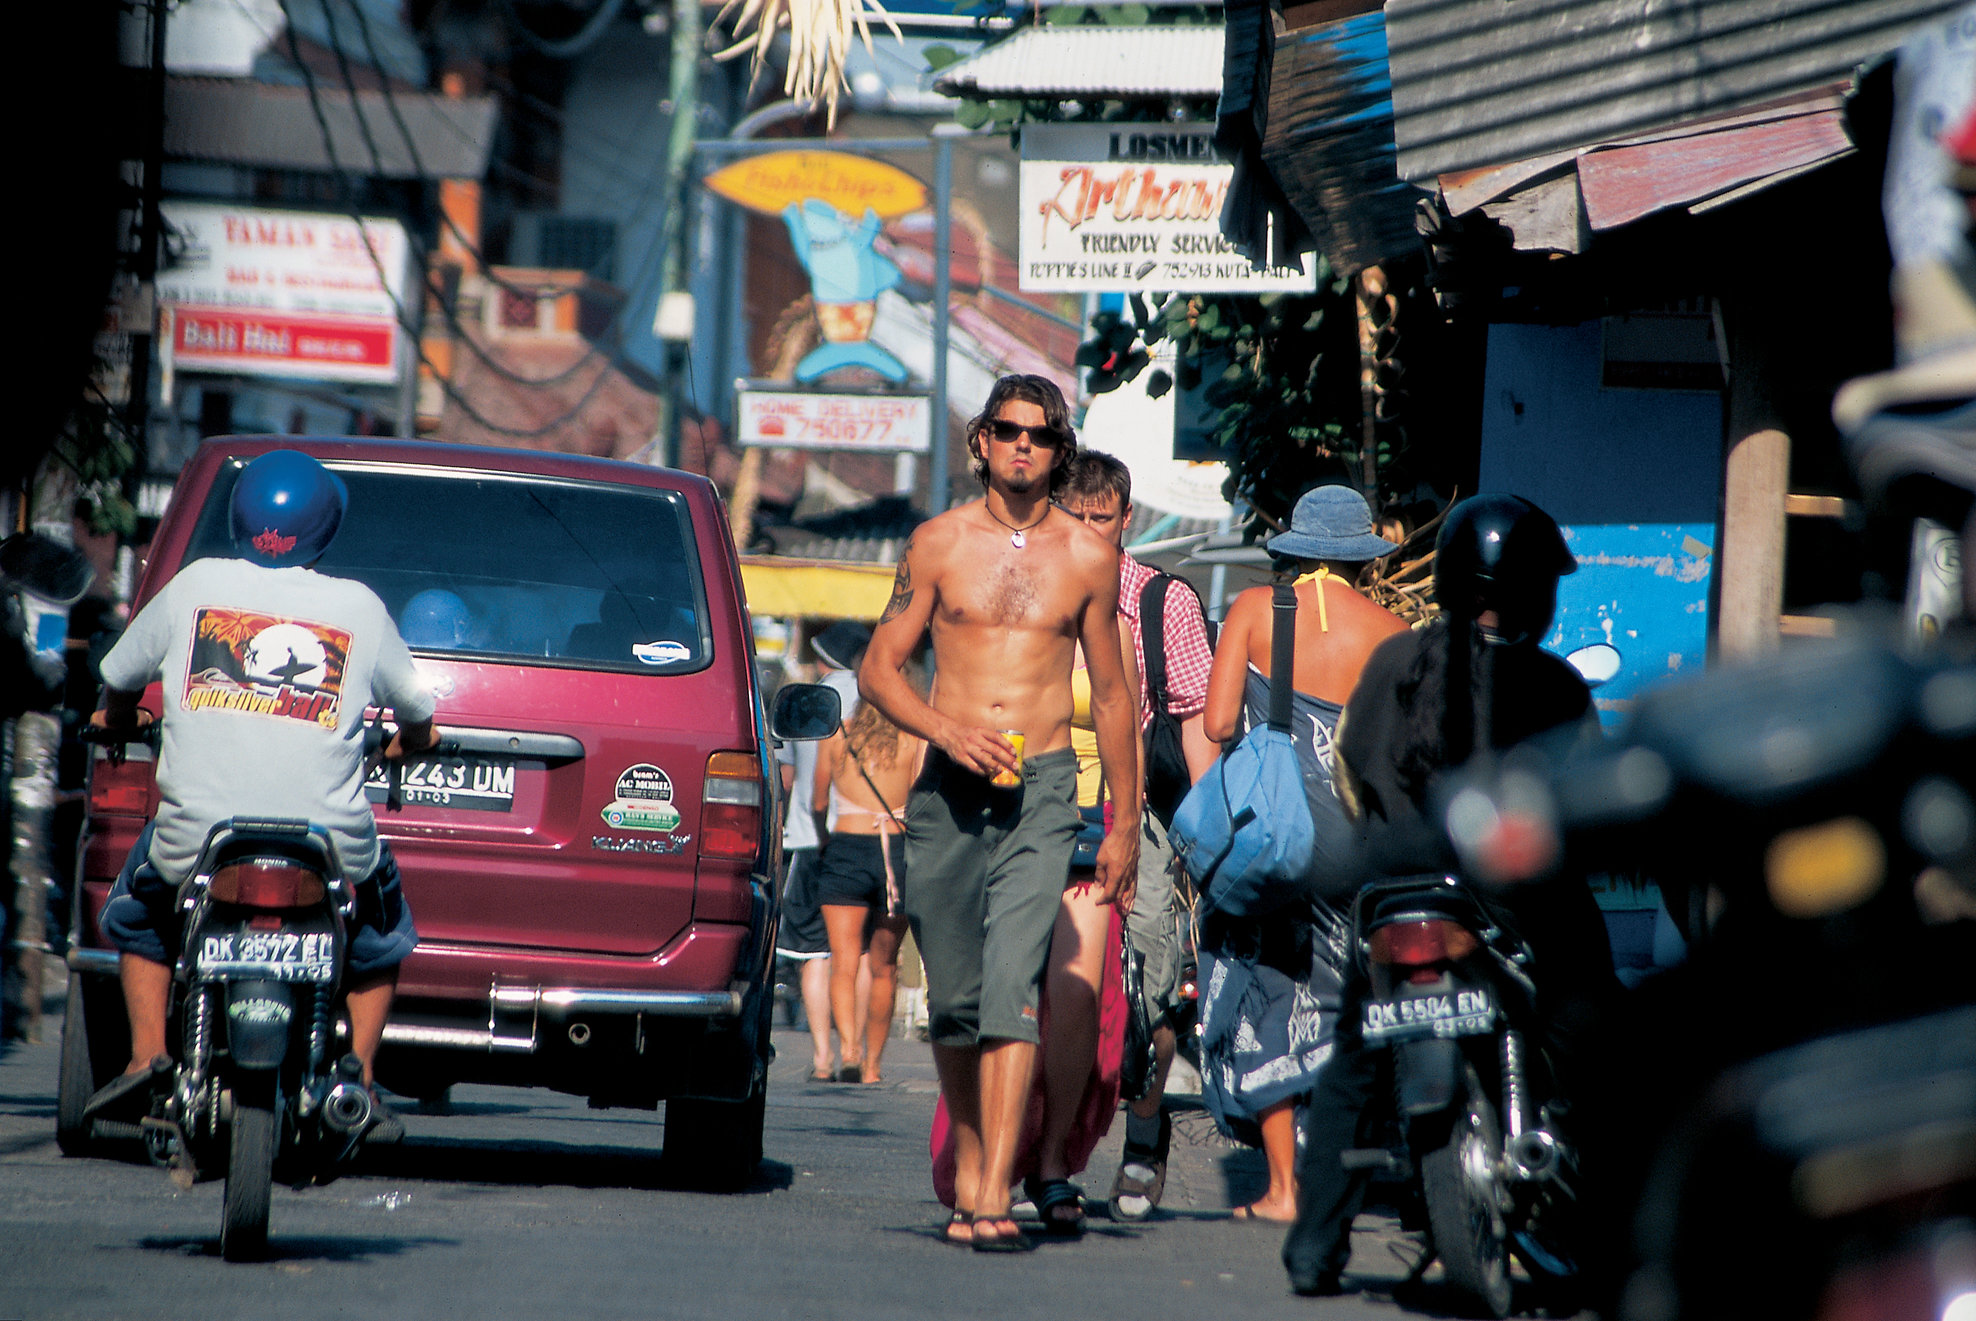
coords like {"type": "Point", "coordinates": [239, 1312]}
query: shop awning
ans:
{"type": "Point", "coordinates": [240, 121]}
{"type": "Point", "coordinates": [780, 588]}
{"type": "Point", "coordinates": [1478, 83]}
{"type": "Point", "coordinates": [1557, 202]}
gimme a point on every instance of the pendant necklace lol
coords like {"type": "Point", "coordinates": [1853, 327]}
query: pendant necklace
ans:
{"type": "Point", "coordinates": [1016, 538]}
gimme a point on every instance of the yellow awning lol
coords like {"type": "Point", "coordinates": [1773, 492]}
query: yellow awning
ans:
{"type": "Point", "coordinates": [827, 589]}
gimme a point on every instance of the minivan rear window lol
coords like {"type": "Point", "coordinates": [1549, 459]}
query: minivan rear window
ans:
{"type": "Point", "coordinates": [516, 567]}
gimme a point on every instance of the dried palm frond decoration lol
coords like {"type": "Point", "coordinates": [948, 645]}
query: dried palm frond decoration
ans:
{"type": "Point", "coordinates": [820, 33]}
{"type": "Point", "coordinates": [1403, 580]}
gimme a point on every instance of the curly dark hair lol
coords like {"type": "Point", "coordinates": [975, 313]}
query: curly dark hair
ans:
{"type": "Point", "coordinates": [1038, 390]}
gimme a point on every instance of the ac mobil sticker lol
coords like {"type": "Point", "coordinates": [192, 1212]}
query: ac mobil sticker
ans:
{"type": "Point", "coordinates": [643, 801]}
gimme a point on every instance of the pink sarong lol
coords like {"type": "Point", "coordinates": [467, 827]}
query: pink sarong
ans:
{"type": "Point", "coordinates": [1100, 1101]}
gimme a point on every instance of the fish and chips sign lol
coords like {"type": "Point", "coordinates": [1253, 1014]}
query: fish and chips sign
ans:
{"type": "Point", "coordinates": [1121, 208]}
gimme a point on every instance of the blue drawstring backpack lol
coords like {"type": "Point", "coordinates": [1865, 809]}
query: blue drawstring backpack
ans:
{"type": "Point", "coordinates": [1244, 832]}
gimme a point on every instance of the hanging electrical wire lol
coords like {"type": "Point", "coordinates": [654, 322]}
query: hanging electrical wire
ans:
{"type": "Point", "coordinates": [404, 318]}
{"type": "Point", "coordinates": [584, 37]}
{"type": "Point", "coordinates": [445, 304]}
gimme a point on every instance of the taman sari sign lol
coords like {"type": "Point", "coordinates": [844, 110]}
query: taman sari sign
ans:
{"type": "Point", "coordinates": [1110, 208]}
{"type": "Point", "coordinates": [282, 293]}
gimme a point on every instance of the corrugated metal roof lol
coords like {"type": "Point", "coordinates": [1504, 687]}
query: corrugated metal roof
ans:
{"type": "Point", "coordinates": [1481, 82]}
{"type": "Point", "coordinates": [1329, 141]}
{"type": "Point", "coordinates": [1092, 61]}
{"type": "Point", "coordinates": [238, 121]}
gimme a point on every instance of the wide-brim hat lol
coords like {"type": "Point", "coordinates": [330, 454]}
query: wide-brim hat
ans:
{"type": "Point", "coordinates": [842, 645]}
{"type": "Point", "coordinates": [1330, 523]}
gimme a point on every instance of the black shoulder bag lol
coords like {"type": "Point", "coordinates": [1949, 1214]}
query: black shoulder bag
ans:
{"type": "Point", "coordinates": [1167, 777]}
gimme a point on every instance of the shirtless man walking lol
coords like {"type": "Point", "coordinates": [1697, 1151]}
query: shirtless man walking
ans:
{"type": "Point", "coordinates": [1009, 585]}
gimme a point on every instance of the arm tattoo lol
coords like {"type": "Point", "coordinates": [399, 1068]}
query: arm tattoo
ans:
{"type": "Point", "coordinates": [902, 589]}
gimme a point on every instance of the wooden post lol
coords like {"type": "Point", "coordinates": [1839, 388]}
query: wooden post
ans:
{"type": "Point", "coordinates": [1374, 313]}
{"type": "Point", "coordinates": [1755, 481]}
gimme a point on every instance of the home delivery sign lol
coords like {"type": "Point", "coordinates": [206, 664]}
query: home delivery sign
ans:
{"type": "Point", "coordinates": [282, 293]}
{"type": "Point", "coordinates": [1121, 208]}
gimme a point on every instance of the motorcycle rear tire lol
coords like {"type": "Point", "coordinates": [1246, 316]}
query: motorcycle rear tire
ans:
{"type": "Point", "coordinates": [1464, 1214]}
{"type": "Point", "coordinates": [715, 1145]}
{"type": "Point", "coordinates": [249, 1174]}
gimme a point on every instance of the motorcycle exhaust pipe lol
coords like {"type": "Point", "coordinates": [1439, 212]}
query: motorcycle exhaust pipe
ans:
{"type": "Point", "coordinates": [347, 1108]}
{"type": "Point", "coordinates": [1535, 1154]}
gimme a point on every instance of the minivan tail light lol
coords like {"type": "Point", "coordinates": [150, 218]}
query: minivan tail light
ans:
{"type": "Point", "coordinates": [731, 806]}
{"type": "Point", "coordinates": [266, 883]}
{"type": "Point", "coordinates": [1418, 944]}
{"type": "Point", "coordinates": [120, 790]}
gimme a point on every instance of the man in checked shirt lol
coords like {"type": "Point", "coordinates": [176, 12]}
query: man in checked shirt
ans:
{"type": "Point", "coordinates": [1099, 492]}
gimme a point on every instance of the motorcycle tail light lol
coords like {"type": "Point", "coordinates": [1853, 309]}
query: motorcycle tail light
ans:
{"type": "Point", "coordinates": [1418, 944]}
{"type": "Point", "coordinates": [731, 806]}
{"type": "Point", "coordinates": [266, 883]}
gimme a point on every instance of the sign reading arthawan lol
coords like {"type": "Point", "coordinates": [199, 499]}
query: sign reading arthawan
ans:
{"type": "Point", "coordinates": [282, 293]}
{"type": "Point", "coordinates": [1108, 208]}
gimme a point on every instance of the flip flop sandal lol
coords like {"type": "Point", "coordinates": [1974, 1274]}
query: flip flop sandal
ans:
{"type": "Point", "coordinates": [1012, 1241]}
{"type": "Point", "coordinates": [958, 1220]}
{"type": "Point", "coordinates": [127, 1093]}
{"type": "Point", "coordinates": [1135, 1196]}
{"type": "Point", "coordinates": [1052, 1196]}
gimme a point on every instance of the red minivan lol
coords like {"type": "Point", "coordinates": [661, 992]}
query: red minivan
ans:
{"type": "Point", "coordinates": [589, 866]}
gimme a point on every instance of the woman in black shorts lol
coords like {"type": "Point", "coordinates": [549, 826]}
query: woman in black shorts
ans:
{"type": "Point", "coordinates": [862, 777]}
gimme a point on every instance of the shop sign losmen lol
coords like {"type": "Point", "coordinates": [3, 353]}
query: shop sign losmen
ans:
{"type": "Point", "coordinates": [282, 293]}
{"type": "Point", "coordinates": [1120, 208]}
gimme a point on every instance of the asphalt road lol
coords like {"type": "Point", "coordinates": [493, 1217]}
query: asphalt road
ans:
{"type": "Point", "coordinates": [527, 1204]}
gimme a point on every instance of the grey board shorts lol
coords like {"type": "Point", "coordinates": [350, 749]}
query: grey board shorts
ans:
{"type": "Point", "coordinates": [985, 874]}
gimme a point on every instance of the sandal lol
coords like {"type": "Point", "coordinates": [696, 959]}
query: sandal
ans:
{"type": "Point", "coordinates": [1142, 1175]}
{"type": "Point", "coordinates": [127, 1095]}
{"type": "Point", "coordinates": [1010, 1240]}
{"type": "Point", "coordinates": [1052, 1196]}
{"type": "Point", "coordinates": [958, 1220]}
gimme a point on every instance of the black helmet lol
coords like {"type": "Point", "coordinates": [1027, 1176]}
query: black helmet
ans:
{"type": "Point", "coordinates": [1501, 553]}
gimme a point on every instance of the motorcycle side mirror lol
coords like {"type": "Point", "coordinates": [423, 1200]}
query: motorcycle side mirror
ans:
{"type": "Point", "coordinates": [805, 711]}
{"type": "Point", "coordinates": [56, 573]}
{"type": "Point", "coordinates": [1597, 664]}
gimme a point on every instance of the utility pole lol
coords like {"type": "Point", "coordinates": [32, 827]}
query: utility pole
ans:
{"type": "Point", "coordinates": [684, 93]}
{"type": "Point", "coordinates": [149, 237]}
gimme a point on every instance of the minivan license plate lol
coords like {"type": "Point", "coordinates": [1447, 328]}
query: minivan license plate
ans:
{"type": "Point", "coordinates": [1458, 1013]}
{"type": "Point", "coordinates": [477, 784]}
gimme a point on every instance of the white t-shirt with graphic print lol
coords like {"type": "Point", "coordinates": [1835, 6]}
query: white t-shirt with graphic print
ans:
{"type": "Point", "coordinates": [266, 675]}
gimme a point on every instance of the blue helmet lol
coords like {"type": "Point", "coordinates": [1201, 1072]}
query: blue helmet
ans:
{"type": "Point", "coordinates": [439, 618]}
{"type": "Point", "coordinates": [286, 509]}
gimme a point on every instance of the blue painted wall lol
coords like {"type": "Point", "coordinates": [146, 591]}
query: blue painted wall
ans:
{"type": "Point", "coordinates": [1633, 476]}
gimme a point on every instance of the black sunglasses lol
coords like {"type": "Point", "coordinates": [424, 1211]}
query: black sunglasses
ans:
{"type": "Point", "coordinates": [1006, 431]}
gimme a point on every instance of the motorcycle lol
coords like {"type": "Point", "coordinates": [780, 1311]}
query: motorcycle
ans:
{"type": "Point", "coordinates": [255, 1086]}
{"type": "Point", "coordinates": [1783, 1125]}
{"type": "Point", "coordinates": [1471, 1133]}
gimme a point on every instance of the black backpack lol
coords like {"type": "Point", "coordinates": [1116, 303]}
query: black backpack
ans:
{"type": "Point", "coordinates": [1167, 778]}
